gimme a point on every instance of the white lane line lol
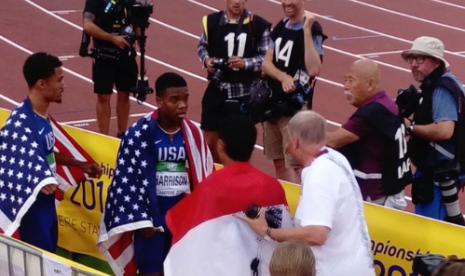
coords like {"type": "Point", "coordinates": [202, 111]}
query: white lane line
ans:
{"type": "Point", "coordinates": [79, 76]}
{"type": "Point", "coordinates": [408, 16]}
{"type": "Point", "coordinates": [339, 22]}
{"type": "Point", "coordinates": [65, 11]}
{"type": "Point", "coordinates": [95, 120]}
{"type": "Point", "coordinates": [5, 98]}
{"type": "Point", "coordinates": [382, 53]}
{"type": "Point", "coordinates": [326, 47]}
{"type": "Point", "coordinates": [449, 4]}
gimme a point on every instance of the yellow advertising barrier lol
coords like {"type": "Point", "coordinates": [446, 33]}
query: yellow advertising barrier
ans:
{"type": "Point", "coordinates": [396, 237]}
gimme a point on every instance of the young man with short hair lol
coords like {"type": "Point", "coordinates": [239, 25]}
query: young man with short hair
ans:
{"type": "Point", "coordinates": [162, 158]}
{"type": "Point", "coordinates": [28, 162]}
{"type": "Point", "coordinates": [206, 217]}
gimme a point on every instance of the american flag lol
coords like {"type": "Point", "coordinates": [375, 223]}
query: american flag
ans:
{"type": "Point", "coordinates": [24, 170]}
{"type": "Point", "coordinates": [132, 200]}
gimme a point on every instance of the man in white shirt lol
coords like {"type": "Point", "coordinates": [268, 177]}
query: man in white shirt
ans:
{"type": "Point", "coordinates": [330, 215]}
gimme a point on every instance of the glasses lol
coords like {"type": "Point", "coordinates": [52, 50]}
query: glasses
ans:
{"type": "Point", "coordinates": [418, 59]}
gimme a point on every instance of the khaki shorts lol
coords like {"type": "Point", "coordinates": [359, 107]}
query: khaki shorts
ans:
{"type": "Point", "coordinates": [275, 138]}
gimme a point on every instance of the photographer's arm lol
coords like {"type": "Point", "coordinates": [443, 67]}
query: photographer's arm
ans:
{"type": "Point", "coordinates": [445, 114]}
{"type": "Point", "coordinates": [440, 131]}
{"type": "Point", "coordinates": [312, 59]}
{"type": "Point", "coordinates": [202, 52]}
{"type": "Point", "coordinates": [255, 63]}
{"type": "Point", "coordinates": [271, 71]}
{"type": "Point", "coordinates": [95, 31]}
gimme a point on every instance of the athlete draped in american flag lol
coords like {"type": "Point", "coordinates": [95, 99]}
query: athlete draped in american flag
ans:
{"type": "Point", "coordinates": [28, 163]}
{"type": "Point", "coordinates": [162, 157]}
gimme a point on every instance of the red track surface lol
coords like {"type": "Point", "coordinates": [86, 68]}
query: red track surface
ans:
{"type": "Point", "coordinates": [32, 25]}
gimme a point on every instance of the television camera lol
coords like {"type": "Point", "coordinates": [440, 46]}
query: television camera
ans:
{"type": "Point", "coordinates": [140, 12]}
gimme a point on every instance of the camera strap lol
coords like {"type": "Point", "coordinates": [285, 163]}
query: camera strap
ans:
{"type": "Point", "coordinates": [238, 29]}
{"type": "Point", "coordinates": [252, 32]}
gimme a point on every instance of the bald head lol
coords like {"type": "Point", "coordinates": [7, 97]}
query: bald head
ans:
{"type": "Point", "coordinates": [366, 69]}
{"type": "Point", "coordinates": [308, 126]}
{"type": "Point", "coordinates": [362, 81]}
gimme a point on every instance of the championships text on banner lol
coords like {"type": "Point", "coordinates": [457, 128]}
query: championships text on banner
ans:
{"type": "Point", "coordinates": [396, 237]}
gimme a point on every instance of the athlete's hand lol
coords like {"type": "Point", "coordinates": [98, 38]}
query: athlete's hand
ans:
{"type": "Point", "coordinates": [288, 84]}
{"type": "Point", "coordinates": [92, 169]}
{"type": "Point", "coordinates": [120, 42]}
{"type": "Point", "coordinates": [148, 232]}
{"type": "Point", "coordinates": [236, 63]}
{"type": "Point", "coordinates": [209, 65]}
{"type": "Point", "coordinates": [49, 189]}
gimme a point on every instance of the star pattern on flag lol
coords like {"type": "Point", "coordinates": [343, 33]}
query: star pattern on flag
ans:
{"type": "Point", "coordinates": [21, 166]}
{"type": "Point", "coordinates": [126, 202]}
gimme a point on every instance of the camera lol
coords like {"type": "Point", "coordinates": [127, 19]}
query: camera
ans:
{"type": "Point", "coordinates": [426, 265]}
{"type": "Point", "coordinates": [220, 65]}
{"type": "Point", "coordinates": [272, 217]}
{"type": "Point", "coordinates": [408, 100]}
{"type": "Point", "coordinates": [446, 171]}
{"type": "Point", "coordinates": [102, 53]}
{"type": "Point", "coordinates": [263, 106]}
{"type": "Point", "coordinates": [140, 13]}
{"type": "Point", "coordinates": [129, 35]}
{"type": "Point", "coordinates": [299, 97]}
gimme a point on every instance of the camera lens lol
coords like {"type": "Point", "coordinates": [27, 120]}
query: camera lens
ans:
{"type": "Point", "coordinates": [252, 211]}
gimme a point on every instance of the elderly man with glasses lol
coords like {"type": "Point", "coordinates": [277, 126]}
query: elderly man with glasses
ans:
{"type": "Point", "coordinates": [435, 131]}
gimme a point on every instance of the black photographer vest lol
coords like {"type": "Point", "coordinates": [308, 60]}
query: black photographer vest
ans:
{"type": "Point", "coordinates": [113, 22]}
{"type": "Point", "coordinates": [289, 52]}
{"type": "Point", "coordinates": [424, 115]}
{"type": "Point", "coordinates": [396, 172]}
{"type": "Point", "coordinates": [223, 43]}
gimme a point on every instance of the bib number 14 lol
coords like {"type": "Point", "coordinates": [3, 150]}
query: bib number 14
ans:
{"type": "Point", "coordinates": [285, 52]}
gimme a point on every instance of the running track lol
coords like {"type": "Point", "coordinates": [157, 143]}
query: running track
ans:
{"type": "Point", "coordinates": [376, 29]}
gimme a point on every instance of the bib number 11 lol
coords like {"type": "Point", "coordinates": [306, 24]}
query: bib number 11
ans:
{"type": "Point", "coordinates": [242, 38]}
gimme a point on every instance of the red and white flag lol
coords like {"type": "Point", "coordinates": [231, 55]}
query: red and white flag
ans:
{"type": "Point", "coordinates": [208, 240]}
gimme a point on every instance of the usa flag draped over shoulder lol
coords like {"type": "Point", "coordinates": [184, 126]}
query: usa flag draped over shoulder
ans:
{"type": "Point", "coordinates": [24, 170]}
{"type": "Point", "coordinates": [132, 194]}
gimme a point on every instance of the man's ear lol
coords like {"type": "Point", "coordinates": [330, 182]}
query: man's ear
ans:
{"type": "Point", "coordinates": [371, 84]}
{"type": "Point", "coordinates": [159, 102]}
{"type": "Point", "coordinates": [40, 84]}
{"type": "Point", "coordinates": [220, 146]}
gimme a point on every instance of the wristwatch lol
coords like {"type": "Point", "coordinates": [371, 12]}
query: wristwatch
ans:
{"type": "Point", "coordinates": [267, 236]}
{"type": "Point", "coordinates": [410, 129]}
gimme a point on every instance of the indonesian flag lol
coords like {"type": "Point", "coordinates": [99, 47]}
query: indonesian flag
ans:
{"type": "Point", "coordinates": [208, 240]}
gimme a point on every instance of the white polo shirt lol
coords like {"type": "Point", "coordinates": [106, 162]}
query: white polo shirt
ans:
{"type": "Point", "coordinates": [331, 197]}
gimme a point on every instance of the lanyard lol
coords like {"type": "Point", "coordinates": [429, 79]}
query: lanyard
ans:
{"type": "Point", "coordinates": [320, 153]}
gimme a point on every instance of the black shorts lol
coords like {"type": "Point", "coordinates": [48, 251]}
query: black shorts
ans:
{"type": "Point", "coordinates": [108, 73]}
{"type": "Point", "coordinates": [216, 107]}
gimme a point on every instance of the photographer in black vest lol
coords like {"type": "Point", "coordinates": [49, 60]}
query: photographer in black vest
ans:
{"type": "Point", "coordinates": [436, 131]}
{"type": "Point", "coordinates": [291, 64]}
{"type": "Point", "coordinates": [232, 48]}
{"type": "Point", "coordinates": [114, 57]}
{"type": "Point", "coordinates": [373, 139]}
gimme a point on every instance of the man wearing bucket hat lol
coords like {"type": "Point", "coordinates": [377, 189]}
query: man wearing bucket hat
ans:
{"type": "Point", "coordinates": [436, 129]}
